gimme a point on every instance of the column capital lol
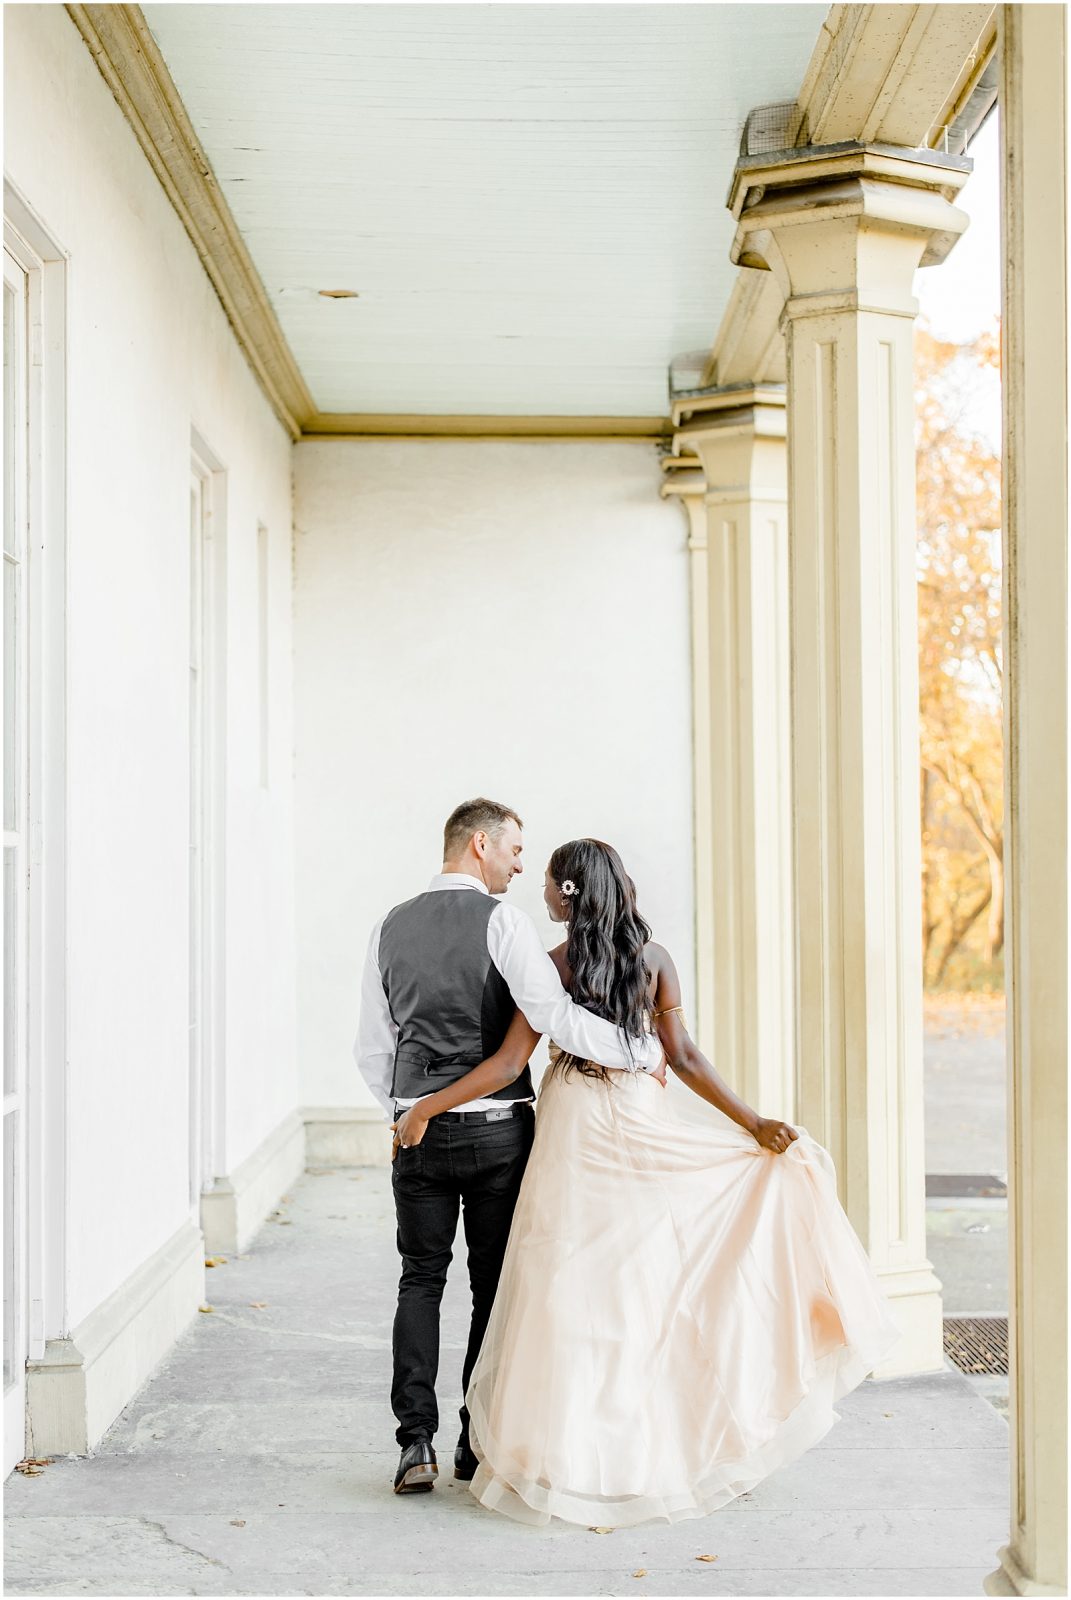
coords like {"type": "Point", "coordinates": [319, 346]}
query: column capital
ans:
{"type": "Point", "coordinates": [684, 479]}
{"type": "Point", "coordinates": [696, 410]}
{"type": "Point", "coordinates": [736, 434]}
{"type": "Point", "coordinates": [843, 227]}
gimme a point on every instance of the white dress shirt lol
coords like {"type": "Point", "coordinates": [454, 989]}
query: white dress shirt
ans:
{"type": "Point", "coordinates": [517, 952]}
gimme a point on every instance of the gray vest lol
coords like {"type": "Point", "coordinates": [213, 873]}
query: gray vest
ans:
{"type": "Point", "coordinates": [449, 1000]}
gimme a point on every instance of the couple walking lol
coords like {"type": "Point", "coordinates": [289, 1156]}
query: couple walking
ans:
{"type": "Point", "coordinates": [663, 1310]}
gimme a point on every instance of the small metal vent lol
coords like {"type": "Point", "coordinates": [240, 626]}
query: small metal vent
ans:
{"type": "Point", "coordinates": [977, 1344]}
{"type": "Point", "coordinates": [768, 128]}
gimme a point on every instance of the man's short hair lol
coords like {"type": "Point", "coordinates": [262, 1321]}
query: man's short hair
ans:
{"type": "Point", "coordinates": [474, 816]}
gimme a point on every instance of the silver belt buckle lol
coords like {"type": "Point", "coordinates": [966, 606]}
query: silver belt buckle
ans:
{"type": "Point", "coordinates": [496, 1116]}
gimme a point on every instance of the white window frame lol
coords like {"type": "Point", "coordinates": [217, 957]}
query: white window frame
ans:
{"type": "Point", "coordinates": [208, 767]}
{"type": "Point", "coordinates": [46, 1185]}
{"type": "Point", "coordinates": [264, 644]}
{"type": "Point", "coordinates": [15, 633]}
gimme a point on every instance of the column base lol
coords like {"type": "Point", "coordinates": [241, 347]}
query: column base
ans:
{"type": "Point", "coordinates": [1009, 1578]}
{"type": "Point", "coordinates": [914, 1295]}
{"type": "Point", "coordinates": [75, 1391]}
{"type": "Point", "coordinates": [232, 1212]}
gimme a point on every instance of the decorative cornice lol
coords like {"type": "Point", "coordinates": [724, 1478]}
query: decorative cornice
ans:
{"type": "Point", "coordinates": [131, 64]}
{"type": "Point", "coordinates": [795, 173]}
{"type": "Point", "coordinates": [898, 75]}
{"type": "Point", "coordinates": [907, 191]}
{"type": "Point", "coordinates": [683, 475]}
{"type": "Point", "coordinates": [703, 408]}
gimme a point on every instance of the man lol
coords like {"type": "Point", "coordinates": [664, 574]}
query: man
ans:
{"type": "Point", "coordinates": [442, 977]}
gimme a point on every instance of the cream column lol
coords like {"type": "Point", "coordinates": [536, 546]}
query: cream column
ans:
{"type": "Point", "coordinates": [1033, 101]}
{"type": "Point", "coordinates": [684, 481]}
{"type": "Point", "coordinates": [739, 437]}
{"type": "Point", "coordinates": [843, 230]}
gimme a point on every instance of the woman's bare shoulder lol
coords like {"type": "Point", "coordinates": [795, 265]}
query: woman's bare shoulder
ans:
{"type": "Point", "coordinates": [665, 984]}
{"type": "Point", "coordinates": [560, 957]}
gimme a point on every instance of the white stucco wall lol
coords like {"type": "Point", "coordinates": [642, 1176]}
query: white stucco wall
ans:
{"type": "Point", "coordinates": [150, 354]}
{"type": "Point", "coordinates": [479, 617]}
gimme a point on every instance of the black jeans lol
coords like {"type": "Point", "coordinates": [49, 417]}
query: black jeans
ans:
{"type": "Point", "coordinates": [478, 1165]}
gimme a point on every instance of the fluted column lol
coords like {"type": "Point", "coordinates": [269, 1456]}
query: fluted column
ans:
{"type": "Point", "coordinates": [738, 437]}
{"type": "Point", "coordinates": [1033, 98]}
{"type": "Point", "coordinates": [684, 481]}
{"type": "Point", "coordinates": [843, 230]}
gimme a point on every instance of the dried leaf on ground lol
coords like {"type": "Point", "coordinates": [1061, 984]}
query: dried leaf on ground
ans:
{"type": "Point", "coordinates": [640, 1572]}
{"type": "Point", "coordinates": [237, 1522]}
{"type": "Point", "coordinates": [215, 1261]}
{"type": "Point", "coordinates": [600, 1530]}
{"type": "Point", "coordinates": [257, 1305]}
{"type": "Point", "coordinates": [706, 1558]}
{"type": "Point", "coordinates": [206, 1308]}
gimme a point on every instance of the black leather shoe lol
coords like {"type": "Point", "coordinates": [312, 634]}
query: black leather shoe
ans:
{"type": "Point", "coordinates": [465, 1463]}
{"type": "Point", "coordinates": [417, 1469]}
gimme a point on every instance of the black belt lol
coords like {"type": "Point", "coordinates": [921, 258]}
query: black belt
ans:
{"type": "Point", "coordinates": [499, 1114]}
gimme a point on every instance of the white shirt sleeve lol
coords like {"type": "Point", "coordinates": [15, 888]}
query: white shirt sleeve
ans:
{"type": "Point", "coordinates": [377, 1031]}
{"type": "Point", "coordinates": [517, 951]}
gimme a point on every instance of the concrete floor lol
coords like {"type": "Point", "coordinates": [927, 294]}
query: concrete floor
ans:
{"type": "Point", "coordinates": [259, 1460]}
{"type": "Point", "coordinates": [965, 1089]}
{"type": "Point", "coordinates": [967, 1241]}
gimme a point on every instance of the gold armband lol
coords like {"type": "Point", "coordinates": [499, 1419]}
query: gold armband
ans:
{"type": "Point", "coordinates": [669, 1010]}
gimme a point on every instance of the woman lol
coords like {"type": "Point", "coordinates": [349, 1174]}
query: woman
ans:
{"type": "Point", "coordinates": [680, 1302]}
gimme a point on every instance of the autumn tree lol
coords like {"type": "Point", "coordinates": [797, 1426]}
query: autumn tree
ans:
{"type": "Point", "coordinates": [960, 664]}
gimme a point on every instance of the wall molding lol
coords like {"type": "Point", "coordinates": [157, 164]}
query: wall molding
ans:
{"type": "Point", "coordinates": [121, 44]}
{"type": "Point", "coordinates": [75, 1391]}
{"type": "Point", "coordinates": [81, 1382]}
{"type": "Point", "coordinates": [371, 425]}
{"type": "Point", "coordinates": [346, 1136]}
{"type": "Point", "coordinates": [232, 1212]}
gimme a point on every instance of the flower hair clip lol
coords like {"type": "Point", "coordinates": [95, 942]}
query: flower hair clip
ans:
{"type": "Point", "coordinates": [569, 887]}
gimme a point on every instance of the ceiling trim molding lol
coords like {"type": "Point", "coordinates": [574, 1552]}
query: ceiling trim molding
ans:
{"type": "Point", "coordinates": [120, 42]}
{"type": "Point", "coordinates": [895, 74]}
{"type": "Point", "coordinates": [385, 425]}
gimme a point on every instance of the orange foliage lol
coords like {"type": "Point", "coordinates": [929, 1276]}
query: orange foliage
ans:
{"type": "Point", "coordinates": [960, 665]}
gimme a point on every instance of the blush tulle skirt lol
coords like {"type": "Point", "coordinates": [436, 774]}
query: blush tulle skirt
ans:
{"type": "Point", "coordinates": [677, 1313]}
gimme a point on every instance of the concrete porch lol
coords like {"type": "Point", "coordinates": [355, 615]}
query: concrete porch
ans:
{"type": "Point", "coordinates": [259, 1459]}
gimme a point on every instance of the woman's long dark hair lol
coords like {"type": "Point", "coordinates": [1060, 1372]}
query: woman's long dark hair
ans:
{"type": "Point", "coordinates": [606, 940]}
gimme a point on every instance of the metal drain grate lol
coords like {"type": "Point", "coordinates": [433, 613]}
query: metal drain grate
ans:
{"type": "Point", "coordinates": [977, 1344]}
{"type": "Point", "coordinates": [954, 1185]}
